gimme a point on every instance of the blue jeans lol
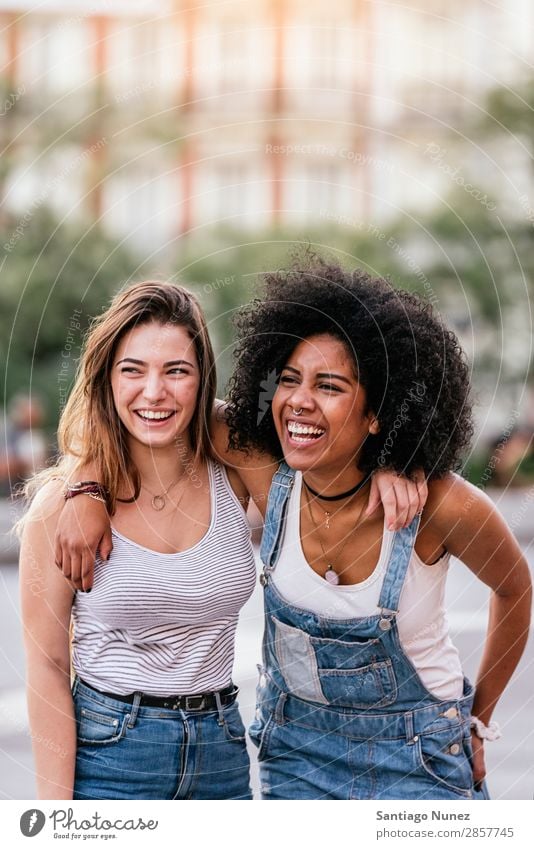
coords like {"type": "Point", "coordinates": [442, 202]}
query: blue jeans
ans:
{"type": "Point", "coordinates": [153, 753]}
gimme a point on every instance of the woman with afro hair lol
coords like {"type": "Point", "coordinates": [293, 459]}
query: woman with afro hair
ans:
{"type": "Point", "coordinates": [361, 693]}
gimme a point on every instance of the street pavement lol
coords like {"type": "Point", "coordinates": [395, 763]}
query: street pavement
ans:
{"type": "Point", "coordinates": [510, 760]}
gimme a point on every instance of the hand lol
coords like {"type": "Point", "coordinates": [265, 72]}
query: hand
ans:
{"type": "Point", "coordinates": [400, 497]}
{"type": "Point", "coordinates": [479, 763]}
{"type": "Point", "coordinates": [83, 529]}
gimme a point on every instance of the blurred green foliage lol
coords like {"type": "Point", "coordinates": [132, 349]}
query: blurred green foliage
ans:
{"type": "Point", "coordinates": [54, 279]}
{"type": "Point", "coordinates": [512, 110]}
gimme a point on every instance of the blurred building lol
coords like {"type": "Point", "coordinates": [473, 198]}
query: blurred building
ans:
{"type": "Point", "coordinates": [161, 119]}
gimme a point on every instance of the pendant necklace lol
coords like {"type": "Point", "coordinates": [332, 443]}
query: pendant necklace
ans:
{"type": "Point", "coordinates": [347, 494]}
{"type": "Point", "coordinates": [331, 576]}
{"type": "Point", "coordinates": [158, 500]}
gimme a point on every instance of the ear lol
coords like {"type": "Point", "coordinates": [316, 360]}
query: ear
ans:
{"type": "Point", "coordinates": [374, 425]}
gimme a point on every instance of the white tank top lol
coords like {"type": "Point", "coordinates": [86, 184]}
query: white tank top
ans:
{"type": "Point", "coordinates": [422, 620]}
{"type": "Point", "coordinates": [165, 623]}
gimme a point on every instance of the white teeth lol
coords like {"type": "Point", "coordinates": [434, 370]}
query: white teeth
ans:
{"type": "Point", "coordinates": [304, 430]}
{"type": "Point", "coordinates": [153, 414]}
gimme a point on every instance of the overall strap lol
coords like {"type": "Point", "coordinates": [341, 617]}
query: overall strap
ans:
{"type": "Point", "coordinates": [399, 560]}
{"type": "Point", "coordinates": [279, 493]}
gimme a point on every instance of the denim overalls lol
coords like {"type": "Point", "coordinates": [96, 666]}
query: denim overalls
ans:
{"type": "Point", "coordinates": [342, 712]}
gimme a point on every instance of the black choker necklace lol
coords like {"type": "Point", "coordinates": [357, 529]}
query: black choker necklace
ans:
{"type": "Point", "coordinates": [346, 494]}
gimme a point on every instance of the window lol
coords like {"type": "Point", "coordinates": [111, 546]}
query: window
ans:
{"type": "Point", "coordinates": [56, 53]}
{"type": "Point", "coordinates": [232, 193]}
{"type": "Point", "coordinates": [319, 191]}
{"type": "Point", "coordinates": [142, 204]}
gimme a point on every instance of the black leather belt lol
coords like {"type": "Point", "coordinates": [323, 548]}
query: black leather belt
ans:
{"type": "Point", "coordinates": [198, 701]}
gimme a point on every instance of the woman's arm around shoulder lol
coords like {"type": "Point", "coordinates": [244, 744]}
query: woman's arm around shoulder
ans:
{"type": "Point", "coordinates": [83, 528]}
{"type": "Point", "coordinates": [254, 469]}
{"type": "Point", "coordinates": [400, 497]}
{"type": "Point", "coordinates": [46, 603]}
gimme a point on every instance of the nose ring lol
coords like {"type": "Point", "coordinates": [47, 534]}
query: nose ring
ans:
{"type": "Point", "coordinates": [297, 412]}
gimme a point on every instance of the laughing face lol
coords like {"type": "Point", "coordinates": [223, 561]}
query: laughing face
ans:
{"type": "Point", "coordinates": [155, 382]}
{"type": "Point", "coordinates": [319, 382]}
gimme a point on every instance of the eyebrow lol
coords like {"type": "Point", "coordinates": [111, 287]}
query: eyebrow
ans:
{"type": "Point", "coordinates": [321, 374]}
{"type": "Point", "coordinates": [165, 365]}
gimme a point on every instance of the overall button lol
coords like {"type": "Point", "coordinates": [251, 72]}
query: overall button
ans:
{"type": "Point", "coordinates": [384, 624]}
{"type": "Point", "coordinates": [454, 749]}
{"type": "Point", "coordinates": [263, 579]}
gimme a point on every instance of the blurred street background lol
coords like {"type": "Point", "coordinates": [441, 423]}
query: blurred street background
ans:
{"type": "Point", "coordinates": [202, 142]}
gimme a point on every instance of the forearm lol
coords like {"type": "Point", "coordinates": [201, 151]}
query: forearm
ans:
{"type": "Point", "coordinates": [53, 731]}
{"type": "Point", "coordinates": [508, 626]}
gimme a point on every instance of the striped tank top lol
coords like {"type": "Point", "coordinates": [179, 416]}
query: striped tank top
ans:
{"type": "Point", "coordinates": [165, 624]}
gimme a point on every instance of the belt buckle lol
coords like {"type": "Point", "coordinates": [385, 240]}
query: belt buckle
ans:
{"type": "Point", "coordinates": [194, 702]}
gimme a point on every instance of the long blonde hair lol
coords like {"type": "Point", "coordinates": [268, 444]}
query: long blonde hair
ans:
{"type": "Point", "coordinates": [90, 430]}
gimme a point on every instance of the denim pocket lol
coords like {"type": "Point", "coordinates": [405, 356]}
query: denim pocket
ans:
{"type": "Point", "coordinates": [234, 728]}
{"type": "Point", "coordinates": [261, 726]}
{"type": "Point", "coordinates": [346, 654]}
{"type": "Point", "coordinates": [354, 674]}
{"type": "Point", "coordinates": [444, 756]}
{"type": "Point", "coordinates": [99, 725]}
{"type": "Point", "coordinates": [260, 733]}
{"type": "Point", "coordinates": [372, 686]}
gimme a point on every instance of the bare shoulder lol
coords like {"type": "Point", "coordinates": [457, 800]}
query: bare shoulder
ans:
{"type": "Point", "coordinates": [47, 503]}
{"type": "Point", "coordinates": [453, 502]}
{"type": "Point", "coordinates": [37, 527]}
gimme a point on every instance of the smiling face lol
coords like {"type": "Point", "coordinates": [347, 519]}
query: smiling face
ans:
{"type": "Point", "coordinates": [155, 382]}
{"type": "Point", "coordinates": [320, 379]}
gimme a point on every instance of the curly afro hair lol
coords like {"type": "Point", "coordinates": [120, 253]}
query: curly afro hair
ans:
{"type": "Point", "coordinates": [411, 366]}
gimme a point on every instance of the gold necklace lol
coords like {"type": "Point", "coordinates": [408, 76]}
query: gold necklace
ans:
{"type": "Point", "coordinates": [331, 576]}
{"type": "Point", "coordinates": [349, 493]}
{"type": "Point", "coordinates": [158, 499]}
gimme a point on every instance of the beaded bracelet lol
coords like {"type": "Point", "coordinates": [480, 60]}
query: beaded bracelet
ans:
{"type": "Point", "coordinates": [489, 732]}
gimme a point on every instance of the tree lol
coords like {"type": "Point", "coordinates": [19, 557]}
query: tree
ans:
{"type": "Point", "coordinates": [55, 278]}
